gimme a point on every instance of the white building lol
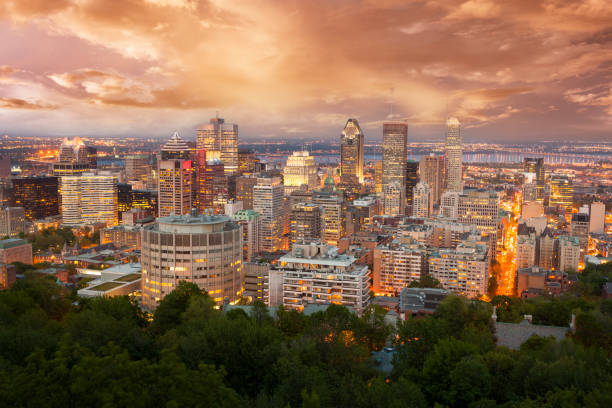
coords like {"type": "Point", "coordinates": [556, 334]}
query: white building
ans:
{"type": "Point", "coordinates": [250, 221]}
{"type": "Point", "coordinates": [597, 217]}
{"type": "Point", "coordinates": [479, 208]}
{"type": "Point", "coordinates": [464, 270]}
{"type": "Point", "coordinates": [525, 251]}
{"type": "Point", "coordinates": [396, 265]}
{"type": "Point", "coordinates": [89, 198]}
{"type": "Point", "coordinates": [333, 216]}
{"type": "Point", "coordinates": [268, 202]}
{"type": "Point", "coordinates": [12, 221]}
{"type": "Point", "coordinates": [449, 204]}
{"type": "Point", "coordinates": [300, 170]}
{"type": "Point", "coordinates": [316, 273]}
{"type": "Point", "coordinates": [422, 201]}
{"type": "Point", "coordinates": [569, 253]}
{"type": "Point", "coordinates": [220, 140]}
{"type": "Point", "coordinates": [393, 199]}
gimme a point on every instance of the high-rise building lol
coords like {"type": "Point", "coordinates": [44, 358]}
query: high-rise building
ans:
{"type": "Point", "coordinates": [525, 251]}
{"type": "Point", "coordinates": [305, 223]}
{"type": "Point", "coordinates": [479, 208]}
{"type": "Point", "coordinates": [431, 171]}
{"type": "Point", "coordinates": [202, 249]}
{"type": "Point", "coordinates": [569, 253]}
{"type": "Point", "coordinates": [250, 221]}
{"type": "Point", "coordinates": [579, 228]}
{"type": "Point", "coordinates": [597, 215]}
{"type": "Point", "coordinates": [175, 177]}
{"type": "Point", "coordinates": [220, 140]}
{"type": "Point", "coordinates": [378, 176]}
{"type": "Point", "coordinates": [146, 200]}
{"type": "Point", "coordinates": [12, 221]}
{"type": "Point", "coordinates": [396, 265]}
{"type": "Point", "coordinates": [395, 139]}
{"type": "Point", "coordinates": [422, 202]}
{"type": "Point", "coordinates": [124, 197]}
{"type": "Point", "coordinates": [547, 254]}
{"type": "Point", "coordinates": [138, 168]}
{"type": "Point", "coordinates": [463, 270]}
{"type": "Point", "coordinates": [393, 198]}
{"type": "Point", "coordinates": [244, 190]}
{"type": "Point", "coordinates": [412, 178]}
{"type": "Point", "coordinates": [561, 193]}
{"type": "Point", "coordinates": [333, 213]}
{"type": "Point", "coordinates": [39, 196]}
{"type": "Point", "coordinates": [268, 201]}
{"type": "Point", "coordinates": [300, 170]}
{"type": "Point", "coordinates": [247, 161]}
{"type": "Point", "coordinates": [453, 156]}
{"type": "Point", "coordinates": [212, 184]}
{"type": "Point", "coordinates": [89, 198]}
{"type": "Point", "coordinates": [449, 204]}
{"type": "Point", "coordinates": [536, 166]}
{"type": "Point", "coordinates": [5, 166]}
{"type": "Point", "coordinates": [316, 273]}
{"type": "Point", "coordinates": [73, 158]}
{"type": "Point", "coordinates": [176, 149]}
{"type": "Point", "coordinates": [351, 158]}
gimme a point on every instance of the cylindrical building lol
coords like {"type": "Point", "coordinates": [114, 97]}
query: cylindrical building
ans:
{"type": "Point", "coordinates": [203, 249]}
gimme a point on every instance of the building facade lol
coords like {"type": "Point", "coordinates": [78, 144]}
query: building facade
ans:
{"type": "Point", "coordinates": [351, 158]}
{"type": "Point", "coordinates": [395, 139]}
{"type": "Point", "coordinates": [453, 156]}
{"type": "Point", "coordinates": [89, 198]}
{"type": "Point", "coordinates": [202, 249]}
{"type": "Point", "coordinates": [300, 170]}
{"type": "Point", "coordinates": [396, 265]}
{"type": "Point", "coordinates": [220, 141]}
{"type": "Point", "coordinates": [431, 171]}
{"type": "Point", "coordinates": [422, 201]}
{"type": "Point", "coordinates": [268, 202]}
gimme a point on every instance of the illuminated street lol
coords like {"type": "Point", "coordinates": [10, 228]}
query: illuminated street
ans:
{"type": "Point", "coordinates": [507, 259]}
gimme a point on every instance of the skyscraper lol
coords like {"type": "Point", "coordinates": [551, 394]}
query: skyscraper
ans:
{"type": "Point", "coordinates": [39, 196]}
{"type": "Point", "coordinates": [422, 203]}
{"type": "Point", "coordinates": [138, 167]}
{"type": "Point", "coordinates": [268, 201]}
{"type": "Point", "coordinates": [561, 193]}
{"type": "Point", "coordinates": [305, 223]}
{"type": "Point", "coordinates": [536, 166]}
{"type": "Point", "coordinates": [351, 157]}
{"type": "Point", "coordinates": [431, 172]}
{"type": "Point", "coordinates": [395, 137]}
{"type": "Point", "coordinates": [72, 159]}
{"type": "Point", "coordinates": [220, 140]}
{"type": "Point", "coordinates": [89, 198]}
{"type": "Point", "coordinates": [453, 156]}
{"type": "Point", "coordinates": [300, 170]}
{"type": "Point", "coordinates": [412, 178]}
{"type": "Point", "coordinates": [174, 178]}
{"type": "Point", "coordinates": [333, 215]}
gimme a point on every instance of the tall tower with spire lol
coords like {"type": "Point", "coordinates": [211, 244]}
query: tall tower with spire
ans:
{"type": "Point", "coordinates": [351, 157]}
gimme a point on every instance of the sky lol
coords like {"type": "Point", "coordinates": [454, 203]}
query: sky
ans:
{"type": "Point", "coordinates": [520, 70]}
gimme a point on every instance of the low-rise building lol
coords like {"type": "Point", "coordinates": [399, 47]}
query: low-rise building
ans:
{"type": "Point", "coordinates": [119, 280]}
{"type": "Point", "coordinates": [12, 221]}
{"type": "Point", "coordinates": [15, 250]}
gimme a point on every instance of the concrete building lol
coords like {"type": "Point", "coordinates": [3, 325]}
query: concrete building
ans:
{"type": "Point", "coordinates": [526, 248]}
{"type": "Point", "coordinates": [548, 251]}
{"type": "Point", "coordinates": [120, 280]}
{"type": "Point", "coordinates": [393, 199]}
{"type": "Point", "coordinates": [395, 139]}
{"type": "Point", "coordinates": [569, 253]}
{"type": "Point", "coordinates": [479, 208]}
{"type": "Point", "coordinates": [396, 265]}
{"type": "Point", "coordinates": [579, 228]}
{"type": "Point", "coordinates": [256, 281]}
{"type": "Point", "coordinates": [220, 141]}
{"type": "Point", "coordinates": [244, 190]}
{"type": "Point", "coordinates": [351, 158]}
{"type": "Point", "coordinates": [300, 170]}
{"type": "Point", "coordinates": [333, 215]}
{"type": "Point", "coordinates": [175, 181]}
{"type": "Point", "coordinates": [268, 202]}
{"type": "Point", "coordinates": [138, 168]}
{"type": "Point", "coordinates": [422, 202]}
{"type": "Point", "coordinates": [89, 198]}
{"type": "Point", "coordinates": [203, 249]}
{"type": "Point", "coordinates": [449, 205]}
{"type": "Point", "coordinates": [412, 178]}
{"type": "Point", "coordinates": [453, 156]}
{"type": "Point", "coordinates": [250, 221]}
{"type": "Point", "coordinates": [316, 273]}
{"type": "Point", "coordinates": [305, 223]}
{"type": "Point", "coordinates": [431, 171]}
{"type": "Point", "coordinates": [463, 270]}
{"type": "Point", "coordinates": [597, 215]}
{"type": "Point", "coordinates": [12, 221]}
{"type": "Point", "coordinates": [531, 209]}
{"type": "Point", "coordinates": [15, 250]}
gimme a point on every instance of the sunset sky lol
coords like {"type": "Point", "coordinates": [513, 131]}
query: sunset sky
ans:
{"type": "Point", "coordinates": [509, 70]}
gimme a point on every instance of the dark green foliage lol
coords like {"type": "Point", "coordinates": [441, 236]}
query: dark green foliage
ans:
{"type": "Point", "coordinates": [107, 353]}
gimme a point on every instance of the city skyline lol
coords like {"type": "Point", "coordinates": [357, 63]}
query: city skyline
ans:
{"type": "Point", "coordinates": [530, 71]}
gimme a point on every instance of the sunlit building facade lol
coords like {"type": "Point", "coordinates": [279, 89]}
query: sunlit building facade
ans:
{"type": "Point", "coordinates": [89, 198]}
{"type": "Point", "coordinates": [422, 202]}
{"type": "Point", "coordinates": [453, 156]}
{"type": "Point", "coordinates": [333, 216]}
{"type": "Point", "coordinates": [202, 249]}
{"type": "Point", "coordinates": [220, 140]}
{"type": "Point", "coordinates": [351, 158]}
{"type": "Point", "coordinates": [268, 202]}
{"type": "Point", "coordinates": [463, 270]}
{"type": "Point", "coordinates": [431, 171]}
{"type": "Point", "coordinates": [395, 139]}
{"type": "Point", "coordinates": [536, 166]}
{"type": "Point", "coordinates": [300, 170]}
{"type": "Point", "coordinates": [561, 193]}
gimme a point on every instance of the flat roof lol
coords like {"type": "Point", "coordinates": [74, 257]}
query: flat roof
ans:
{"type": "Point", "coordinates": [12, 242]}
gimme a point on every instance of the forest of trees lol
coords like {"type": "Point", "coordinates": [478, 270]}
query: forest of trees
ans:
{"type": "Point", "coordinates": [57, 350]}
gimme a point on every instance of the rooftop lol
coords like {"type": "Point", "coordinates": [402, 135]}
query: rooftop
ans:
{"type": "Point", "coordinates": [12, 243]}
